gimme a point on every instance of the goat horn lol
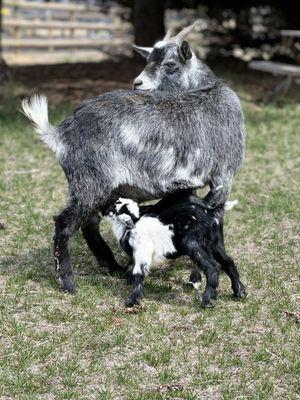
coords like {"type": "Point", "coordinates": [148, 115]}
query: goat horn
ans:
{"type": "Point", "coordinates": [169, 34]}
{"type": "Point", "coordinates": [184, 32]}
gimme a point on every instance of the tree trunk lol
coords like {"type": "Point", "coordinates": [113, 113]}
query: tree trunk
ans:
{"type": "Point", "coordinates": [148, 21]}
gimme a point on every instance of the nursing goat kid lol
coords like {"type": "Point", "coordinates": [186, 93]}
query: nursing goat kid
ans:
{"type": "Point", "coordinates": [184, 131]}
{"type": "Point", "coordinates": [187, 228]}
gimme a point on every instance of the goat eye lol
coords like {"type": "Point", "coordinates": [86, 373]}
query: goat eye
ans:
{"type": "Point", "coordinates": [170, 64]}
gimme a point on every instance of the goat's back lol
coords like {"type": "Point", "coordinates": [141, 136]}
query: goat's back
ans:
{"type": "Point", "coordinates": [151, 141]}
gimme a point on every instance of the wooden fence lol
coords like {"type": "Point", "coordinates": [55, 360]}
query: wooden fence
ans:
{"type": "Point", "coordinates": [61, 28]}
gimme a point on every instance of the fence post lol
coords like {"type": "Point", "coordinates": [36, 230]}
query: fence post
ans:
{"type": "Point", "coordinates": [72, 30]}
{"type": "Point", "coordinates": [16, 30]}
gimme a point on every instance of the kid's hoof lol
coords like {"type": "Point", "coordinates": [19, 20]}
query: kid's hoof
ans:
{"type": "Point", "coordinates": [131, 303]}
{"type": "Point", "coordinates": [241, 294]}
{"type": "Point", "coordinates": [207, 305]}
{"type": "Point", "coordinates": [67, 285]}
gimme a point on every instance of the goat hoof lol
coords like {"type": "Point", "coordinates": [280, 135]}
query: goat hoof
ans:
{"type": "Point", "coordinates": [67, 285]}
{"type": "Point", "coordinates": [210, 304]}
{"type": "Point", "coordinates": [131, 303]}
{"type": "Point", "coordinates": [241, 293]}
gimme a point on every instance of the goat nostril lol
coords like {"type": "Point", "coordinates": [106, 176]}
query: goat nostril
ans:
{"type": "Point", "coordinates": [136, 83]}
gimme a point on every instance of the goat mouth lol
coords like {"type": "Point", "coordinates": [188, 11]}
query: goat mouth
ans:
{"type": "Point", "coordinates": [140, 90]}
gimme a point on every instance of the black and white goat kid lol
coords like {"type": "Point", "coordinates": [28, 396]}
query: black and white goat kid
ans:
{"type": "Point", "coordinates": [188, 228]}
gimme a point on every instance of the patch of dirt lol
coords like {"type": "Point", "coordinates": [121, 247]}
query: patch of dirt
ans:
{"type": "Point", "coordinates": [121, 70]}
{"type": "Point", "coordinates": [71, 83]}
{"type": "Point", "coordinates": [174, 387]}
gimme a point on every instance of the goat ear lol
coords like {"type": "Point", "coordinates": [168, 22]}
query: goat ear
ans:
{"type": "Point", "coordinates": [184, 51]}
{"type": "Point", "coordinates": [144, 51]}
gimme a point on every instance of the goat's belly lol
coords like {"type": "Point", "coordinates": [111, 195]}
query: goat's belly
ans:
{"type": "Point", "coordinates": [160, 185]}
{"type": "Point", "coordinates": [136, 193]}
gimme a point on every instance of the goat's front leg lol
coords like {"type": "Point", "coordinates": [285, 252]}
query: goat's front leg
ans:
{"type": "Point", "coordinates": [66, 225]}
{"type": "Point", "coordinates": [97, 245]}
{"type": "Point", "coordinates": [128, 272]}
{"type": "Point", "coordinates": [140, 270]}
{"type": "Point", "coordinates": [137, 289]}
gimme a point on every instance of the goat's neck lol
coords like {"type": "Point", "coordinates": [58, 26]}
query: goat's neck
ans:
{"type": "Point", "coordinates": [204, 77]}
{"type": "Point", "coordinates": [119, 228]}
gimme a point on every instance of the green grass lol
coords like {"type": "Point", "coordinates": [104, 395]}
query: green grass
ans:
{"type": "Point", "coordinates": [85, 346]}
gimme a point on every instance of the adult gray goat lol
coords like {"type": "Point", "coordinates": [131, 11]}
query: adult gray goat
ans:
{"type": "Point", "coordinates": [183, 129]}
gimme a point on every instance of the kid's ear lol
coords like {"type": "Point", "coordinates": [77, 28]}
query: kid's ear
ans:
{"type": "Point", "coordinates": [184, 51]}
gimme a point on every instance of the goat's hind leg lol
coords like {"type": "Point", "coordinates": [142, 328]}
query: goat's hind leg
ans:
{"type": "Point", "coordinates": [211, 270]}
{"type": "Point", "coordinates": [219, 192]}
{"type": "Point", "coordinates": [66, 224]}
{"type": "Point", "coordinates": [228, 265]}
{"type": "Point", "coordinates": [97, 245]}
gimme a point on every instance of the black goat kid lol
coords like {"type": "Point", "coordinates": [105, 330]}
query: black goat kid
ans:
{"type": "Point", "coordinates": [176, 226]}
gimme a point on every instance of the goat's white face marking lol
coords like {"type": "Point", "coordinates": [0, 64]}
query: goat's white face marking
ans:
{"type": "Point", "coordinates": [148, 82]}
{"type": "Point", "coordinates": [121, 222]}
{"type": "Point", "coordinates": [131, 205]}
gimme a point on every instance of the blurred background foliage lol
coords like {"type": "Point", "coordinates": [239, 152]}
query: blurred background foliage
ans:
{"type": "Point", "coordinates": [244, 30]}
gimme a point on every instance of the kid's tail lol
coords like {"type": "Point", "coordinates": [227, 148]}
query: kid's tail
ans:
{"type": "Point", "coordinates": [36, 109]}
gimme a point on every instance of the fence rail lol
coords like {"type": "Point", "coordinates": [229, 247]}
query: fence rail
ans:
{"type": "Point", "coordinates": [49, 6]}
{"type": "Point", "coordinates": [42, 24]}
{"type": "Point", "coordinates": [46, 27]}
{"type": "Point", "coordinates": [60, 43]}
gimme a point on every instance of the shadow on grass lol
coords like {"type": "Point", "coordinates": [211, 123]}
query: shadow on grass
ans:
{"type": "Point", "coordinates": [164, 285]}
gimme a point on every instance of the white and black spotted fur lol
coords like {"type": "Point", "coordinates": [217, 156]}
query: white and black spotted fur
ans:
{"type": "Point", "coordinates": [186, 131]}
{"type": "Point", "coordinates": [178, 225]}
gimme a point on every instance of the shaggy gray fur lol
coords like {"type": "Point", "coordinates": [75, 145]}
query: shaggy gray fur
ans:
{"type": "Point", "coordinates": [148, 144]}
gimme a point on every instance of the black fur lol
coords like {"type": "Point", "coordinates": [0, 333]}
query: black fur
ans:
{"type": "Point", "coordinates": [198, 233]}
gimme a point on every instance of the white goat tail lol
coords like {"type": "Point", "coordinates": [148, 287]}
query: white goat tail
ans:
{"type": "Point", "coordinates": [230, 204]}
{"type": "Point", "coordinates": [36, 109]}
